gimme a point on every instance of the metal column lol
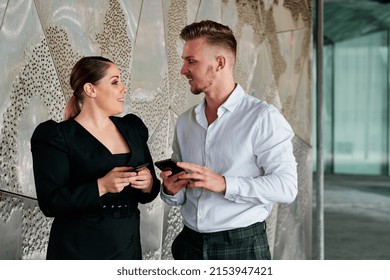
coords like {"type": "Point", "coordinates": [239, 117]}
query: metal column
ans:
{"type": "Point", "coordinates": [319, 213]}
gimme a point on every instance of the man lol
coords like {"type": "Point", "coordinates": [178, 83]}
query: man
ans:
{"type": "Point", "coordinates": [237, 151]}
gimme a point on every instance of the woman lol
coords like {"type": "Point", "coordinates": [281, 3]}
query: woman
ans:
{"type": "Point", "coordinates": [83, 169]}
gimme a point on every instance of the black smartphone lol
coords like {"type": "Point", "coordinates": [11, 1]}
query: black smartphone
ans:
{"type": "Point", "coordinates": [136, 169]}
{"type": "Point", "coordinates": [168, 165]}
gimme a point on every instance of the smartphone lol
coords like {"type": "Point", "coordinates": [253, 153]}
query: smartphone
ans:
{"type": "Point", "coordinates": [136, 169]}
{"type": "Point", "coordinates": [168, 165]}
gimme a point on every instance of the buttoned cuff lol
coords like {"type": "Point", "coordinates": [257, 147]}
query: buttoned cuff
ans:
{"type": "Point", "coordinates": [231, 188]}
{"type": "Point", "coordinates": [171, 200]}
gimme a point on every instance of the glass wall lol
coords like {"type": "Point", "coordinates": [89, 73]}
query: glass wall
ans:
{"type": "Point", "coordinates": [356, 106]}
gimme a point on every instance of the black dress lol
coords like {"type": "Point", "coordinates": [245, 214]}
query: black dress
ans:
{"type": "Point", "coordinates": [67, 161]}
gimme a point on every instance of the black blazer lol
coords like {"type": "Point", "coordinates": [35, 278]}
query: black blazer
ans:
{"type": "Point", "coordinates": [67, 161]}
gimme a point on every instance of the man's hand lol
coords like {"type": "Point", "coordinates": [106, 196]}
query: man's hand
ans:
{"type": "Point", "coordinates": [172, 183]}
{"type": "Point", "coordinates": [202, 177]}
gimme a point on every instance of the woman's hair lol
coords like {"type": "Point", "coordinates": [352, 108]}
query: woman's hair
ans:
{"type": "Point", "coordinates": [89, 69]}
{"type": "Point", "coordinates": [216, 34]}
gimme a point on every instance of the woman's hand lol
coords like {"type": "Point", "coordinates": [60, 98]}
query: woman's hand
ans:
{"type": "Point", "coordinates": [142, 180]}
{"type": "Point", "coordinates": [120, 177]}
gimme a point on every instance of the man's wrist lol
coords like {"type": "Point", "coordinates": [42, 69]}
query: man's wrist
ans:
{"type": "Point", "coordinates": [166, 191]}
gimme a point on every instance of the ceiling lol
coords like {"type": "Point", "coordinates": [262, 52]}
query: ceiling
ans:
{"type": "Point", "coordinates": [345, 20]}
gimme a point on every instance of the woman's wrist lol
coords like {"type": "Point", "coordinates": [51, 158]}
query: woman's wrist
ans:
{"type": "Point", "coordinates": [101, 188]}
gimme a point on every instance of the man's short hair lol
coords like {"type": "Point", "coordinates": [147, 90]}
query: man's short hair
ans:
{"type": "Point", "coordinates": [216, 34]}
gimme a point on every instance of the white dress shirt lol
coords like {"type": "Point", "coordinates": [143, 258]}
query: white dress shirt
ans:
{"type": "Point", "coordinates": [250, 145]}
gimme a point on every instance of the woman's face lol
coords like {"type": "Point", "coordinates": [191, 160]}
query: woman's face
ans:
{"type": "Point", "coordinates": [110, 92]}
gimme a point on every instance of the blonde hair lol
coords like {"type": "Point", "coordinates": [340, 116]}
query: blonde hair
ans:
{"type": "Point", "coordinates": [215, 34]}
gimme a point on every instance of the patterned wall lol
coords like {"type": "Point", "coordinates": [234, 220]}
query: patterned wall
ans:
{"type": "Point", "coordinates": [40, 40]}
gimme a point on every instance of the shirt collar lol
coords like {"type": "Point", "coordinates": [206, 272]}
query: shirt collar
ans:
{"type": "Point", "coordinates": [230, 104]}
{"type": "Point", "coordinates": [234, 99]}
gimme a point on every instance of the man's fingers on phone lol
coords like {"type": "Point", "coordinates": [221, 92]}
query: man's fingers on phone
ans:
{"type": "Point", "coordinates": [165, 174]}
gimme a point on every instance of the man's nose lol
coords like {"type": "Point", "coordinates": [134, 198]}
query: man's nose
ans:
{"type": "Point", "coordinates": [183, 70]}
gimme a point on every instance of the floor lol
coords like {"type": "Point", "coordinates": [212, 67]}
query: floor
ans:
{"type": "Point", "coordinates": [356, 218]}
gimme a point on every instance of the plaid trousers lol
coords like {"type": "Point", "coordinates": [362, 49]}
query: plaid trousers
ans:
{"type": "Point", "coordinates": [249, 243]}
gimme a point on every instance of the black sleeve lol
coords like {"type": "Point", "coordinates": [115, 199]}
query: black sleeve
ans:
{"type": "Point", "coordinates": [51, 175]}
{"type": "Point", "coordinates": [143, 132]}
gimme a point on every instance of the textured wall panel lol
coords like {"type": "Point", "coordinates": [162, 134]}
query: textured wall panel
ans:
{"type": "Point", "coordinates": [35, 230]}
{"type": "Point", "coordinates": [11, 222]}
{"type": "Point", "coordinates": [179, 94]}
{"type": "Point", "coordinates": [293, 226]}
{"type": "Point", "coordinates": [29, 79]}
{"type": "Point", "coordinates": [3, 5]}
{"type": "Point", "coordinates": [290, 15]}
{"type": "Point", "coordinates": [41, 40]}
{"type": "Point", "coordinates": [149, 93]}
{"type": "Point", "coordinates": [263, 85]}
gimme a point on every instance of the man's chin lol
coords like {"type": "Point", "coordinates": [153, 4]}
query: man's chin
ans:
{"type": "Point", "coordinates": [196, 91]}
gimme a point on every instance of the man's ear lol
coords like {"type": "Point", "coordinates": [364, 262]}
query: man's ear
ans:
{"type": "Point", "coordinates": [221, 62]}
{"type": "Point", "coordinates": [89, 90]}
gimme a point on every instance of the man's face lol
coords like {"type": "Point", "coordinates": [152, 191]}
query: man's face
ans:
{"type": "Point", "coordinates": [199, 65]}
